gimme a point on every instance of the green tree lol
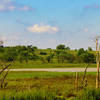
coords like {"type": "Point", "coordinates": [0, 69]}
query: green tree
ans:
{"type": "Point", "coordinates": [81, 51]}
{"type": "Point", "coordinates": [89, 49]}
{"type": "Point", "coordinates": [88, 57]}
{"type": "Point", "coordinates": [60, 47]}
{"type": "Point", "coordinates": [63, 56]}
{"type": "Point", "coordinates": [10, 55]}
{"type": "Point", "coordinates": [49, 58]}
{"type": "Point", "coordinates": [67, 48]}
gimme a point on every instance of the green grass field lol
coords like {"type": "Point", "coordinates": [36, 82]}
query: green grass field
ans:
{"type": "Point", "coordinates": [32, 64]}
{"type": "Point", "coordinates": [24, 75]}
{"type": "Point", "coordinates": [44, 86]}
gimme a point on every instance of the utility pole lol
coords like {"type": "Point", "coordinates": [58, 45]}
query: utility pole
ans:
{"type": "Point", "coordinates": [97, 61]}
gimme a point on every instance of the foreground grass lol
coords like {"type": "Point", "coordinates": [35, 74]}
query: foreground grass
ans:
{"type": "Point", "coordinates": [37, 64]}
{"type": "Point", "coordinates": [46, 86]}
{"type": "Point", "coordinates": [36, 94]}
{"type": "Point", "coordinates": [44, 94]}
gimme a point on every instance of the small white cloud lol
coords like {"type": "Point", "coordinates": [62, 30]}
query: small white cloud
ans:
{"type": "Point", "coordinates": [9, 5]}
{"type": "Point", "coordinates": [2, 7]}
{"type": "Point", "coordinates": [6, 1]}
{"type": "Point", "coordinates": [86, 30]}
{"type": "Point", "coordinates": [6, 38]}
{"type": "Point", "coordinates": [40, 29]}
{"type": "Point", "coordinates": [11, 8]}
{"type": "Point", "coordinates": [5, 8]}
{"type": "Point", "coordinates": [25, 8]}
{"type": "Point", "coordinates": [3, 38]}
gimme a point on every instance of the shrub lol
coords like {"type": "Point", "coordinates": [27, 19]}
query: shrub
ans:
{"type": "Point", "coordinates": [43, 53]}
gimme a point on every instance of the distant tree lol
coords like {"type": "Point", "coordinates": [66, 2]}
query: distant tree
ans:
{"type": "Point", "coordinates": [63, 56]}
{"type": "Point", "coordinates": [88, 57]}
{"type": "Point", "coordinates": [57, 53]}
{"type": "Point", "coordinates": [33, 56]}
{"type": "Point", "coordinates": [80, 51]}
{"type": "Point", "coordinates": [67, 48]}
{"type": "Point", "coordinates": [43, 53]}
{"type": "Point", "coordinates": [89, 49]}
{"type": "Point", "coordinates": [42, 59]}
{"type": "Point", "coordinates": [35, 48]}
{"type": "Point", "coordinates": [30, 48]}
{"type": "Point", "coordinates": [70, 57]}
{"type": "Point", "coordinates": [49, 58]}
{"type": "Point", "coordinates": [49, 48]}
{"type": "Point", "coordinates": [10, 55]}
{"type": "Point", "coordinates": [75, 49]}
{"type": "Point", "coordinates": [61, 47]}
{"type": "Point", "coordinates": [85, 57]}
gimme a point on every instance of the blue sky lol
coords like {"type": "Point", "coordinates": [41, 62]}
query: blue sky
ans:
{"type": "Point", "coordinates": [47, 23]}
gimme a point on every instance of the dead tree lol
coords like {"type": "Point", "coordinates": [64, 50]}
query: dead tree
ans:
{"type": "Point", "coordinates": [3, 74]}
{"type": "Point", "coordinates": [84, 80]}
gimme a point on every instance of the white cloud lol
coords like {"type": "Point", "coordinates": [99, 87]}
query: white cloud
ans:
{"type": "Point", "coordinates": [2, 7]}
{"type": "Point", "coordinates": [6, 1]}
{"type": "Point", "coordinates": [40, 29]}
{"type": "Point", "coordinates": [9, 5]}
{"type": "Point", "coordinates": [3, 38]}
{"type": "Point", "coordinates": [25, 8]}
{"type": "Point", "coordinates": [11, 8]}
{"type": "Point", "coordinates": [86, 30]}
{"type": "Point", "coordinates": [8, 38]}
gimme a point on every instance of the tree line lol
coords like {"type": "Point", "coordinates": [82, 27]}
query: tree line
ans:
{"type": "Point", "coordinates": [61, 54]}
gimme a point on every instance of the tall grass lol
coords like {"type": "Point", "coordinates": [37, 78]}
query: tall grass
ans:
{"type": "Point", "coordinates": [40, 94]}
{"type": "Point", "coordinates": [89, 94]}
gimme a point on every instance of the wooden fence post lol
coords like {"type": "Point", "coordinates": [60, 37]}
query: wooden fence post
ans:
{"type": "Point", "coordinates": [76, 82]}
{"type": "Point", "coordinates": [97, 61]}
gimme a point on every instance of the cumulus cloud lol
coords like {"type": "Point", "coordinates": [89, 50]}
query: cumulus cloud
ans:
{"type": "Point", "coordinates": [40, 29]}
{"type": "Point", "coordinates": [8, 5]}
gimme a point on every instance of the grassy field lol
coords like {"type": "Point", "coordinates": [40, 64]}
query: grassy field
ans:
{"type": "Point", "coordinates": [24, 75]}
{"type": "Point", "coordinates": [44, 86]}
{"type": "Point", "coordinates": [38, 64]}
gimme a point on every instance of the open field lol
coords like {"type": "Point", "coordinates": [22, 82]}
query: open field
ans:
{"type": "Point", "coordinates": [44, 86]}
{"type": "Point", "coordinates": [23, 75]}
{"type": "Point", "coordinates": [31, 64]}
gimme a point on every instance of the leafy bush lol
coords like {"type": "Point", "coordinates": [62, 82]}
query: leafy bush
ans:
{"type": "Point", "coordinates": [43, 53]}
